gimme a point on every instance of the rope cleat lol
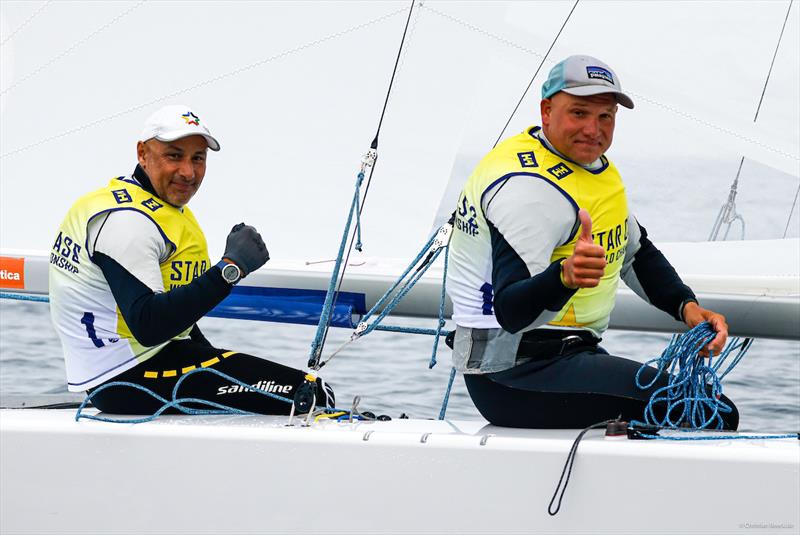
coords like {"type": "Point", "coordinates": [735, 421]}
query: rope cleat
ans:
{"type": "Point", "coordinates": [305, 398]}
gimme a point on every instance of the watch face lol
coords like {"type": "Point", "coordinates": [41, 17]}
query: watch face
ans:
{"type": "Point", "coordinates": [231, 273]}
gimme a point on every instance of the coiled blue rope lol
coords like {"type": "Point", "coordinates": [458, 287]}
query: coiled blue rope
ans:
{"type": "Point", "coordinates": [692, 398]}
{"type": "Point", "coordinates": [693, 393]}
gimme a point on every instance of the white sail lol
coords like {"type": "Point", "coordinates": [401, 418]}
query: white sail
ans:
{"type": "Point", "coordinates": [293, 92]}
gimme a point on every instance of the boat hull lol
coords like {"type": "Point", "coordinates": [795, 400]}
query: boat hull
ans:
{"type": "Point", "coordinates": [255, 475]}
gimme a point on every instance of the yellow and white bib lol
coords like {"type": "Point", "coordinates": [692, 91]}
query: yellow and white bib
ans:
{"type": "Point", "coordinates": [524, 157]}
{"type": "Point", "coordinates": [97, 342]}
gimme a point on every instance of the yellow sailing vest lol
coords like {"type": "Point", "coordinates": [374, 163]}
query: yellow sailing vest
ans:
{"type": "Point", "coordinates": [600, 192]}
{"type": "Point", "coordinates": [97, 341]}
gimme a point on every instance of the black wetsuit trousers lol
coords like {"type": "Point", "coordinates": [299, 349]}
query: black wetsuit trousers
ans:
{"type": "Point", "coordinates": [570, 391]}
{"type": "Point", "coordinates": [161, 373]}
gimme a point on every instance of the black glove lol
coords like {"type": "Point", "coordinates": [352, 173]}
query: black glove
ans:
{"type": "Point", "coordinates": [246, 249]}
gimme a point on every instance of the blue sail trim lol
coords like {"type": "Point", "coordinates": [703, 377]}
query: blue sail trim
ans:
{"type": "Point", "coordinates": [289, 305]}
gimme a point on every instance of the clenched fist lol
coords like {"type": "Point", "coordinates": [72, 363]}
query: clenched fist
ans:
{"type": "Point", "coordinates": [246, 249]}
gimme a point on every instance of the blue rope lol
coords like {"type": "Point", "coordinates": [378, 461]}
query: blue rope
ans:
{"type": "Point", "coordinates": [399, 296]}
{"type": "Point", "coordinates": [446, 399]}
{"type": "Point", "coordinates": [406, 330]}
{"type": "Point", "coordinates": [327, 307]}
{"type": "Point", "coordinates": [176, 402]}
{"type": "Point", "coordinates": [694, 390]}
{"type": "Point", "coordinates": [400, 279]}
{"type": "Point", "coordinates": [357, 199]}
{"type": "Point", "coordinates": [721, 437]}
{"type": "Point", "coordinates": [24, 297]}
{"type": "Point", "coordinates": [440, 325]}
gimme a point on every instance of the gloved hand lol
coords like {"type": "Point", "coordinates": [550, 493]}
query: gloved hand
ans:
{"type": "Point", "coordinates": [246, 249]}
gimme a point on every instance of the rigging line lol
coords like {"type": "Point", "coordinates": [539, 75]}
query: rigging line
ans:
{"type": "Point", "coordinates": [639, 96]}
{"type": "Point", "coordinates": [373, 146]}
{"type": "Point", "coordinates": [727, 212]}
{"type": "Point", "coordinates": [775, 55]}
{"type": "Point", "coordinates": [391, 82]}
{"type": "Point", "coordinates": [27, 21]}
{"type": "Point", "coordinates": [410, 39]}
{"type": "Point", "coordinates": [208, 81]}
{"type": "Point", "coordinates": [71, 48]}
{"type": "Point", "coordinates": [535, 74]}
{"type": "Point", "coordinates": [791, 212]}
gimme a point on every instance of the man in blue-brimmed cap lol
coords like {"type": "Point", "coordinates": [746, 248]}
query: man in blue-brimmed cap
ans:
{"type": "Point", "coordinates": [543, 235]}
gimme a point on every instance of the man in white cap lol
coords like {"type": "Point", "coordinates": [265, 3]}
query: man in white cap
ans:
{"type": "Point", "coordinates": [130, 276]}
{"type": "Point", "coordinates": [543, 235]}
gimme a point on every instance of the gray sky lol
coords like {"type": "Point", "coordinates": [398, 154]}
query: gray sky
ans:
{"type": "Point", "coordinates": [293, 92]}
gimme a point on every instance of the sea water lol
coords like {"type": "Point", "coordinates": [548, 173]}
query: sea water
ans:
{"type": "Point", "coordinates": [390, 370]}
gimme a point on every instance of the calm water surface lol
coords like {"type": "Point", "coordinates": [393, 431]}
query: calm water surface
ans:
{"type": "Point", "coordinates": [390, 371]}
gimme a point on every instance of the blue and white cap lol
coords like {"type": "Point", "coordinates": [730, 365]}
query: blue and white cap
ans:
{"type": "Point", "coordinates": [175, 122]}
{"type": "Point", "coordinates": [583, 76]}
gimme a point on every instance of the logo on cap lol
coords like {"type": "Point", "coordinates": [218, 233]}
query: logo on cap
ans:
{"type": "Point", "coordinates": [600, 73]}
{"type": "Point", "coordinates": [191, 118]}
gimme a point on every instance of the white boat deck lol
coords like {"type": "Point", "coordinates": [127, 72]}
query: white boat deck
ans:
{"type": "Point", "coordinates": [248, 474]}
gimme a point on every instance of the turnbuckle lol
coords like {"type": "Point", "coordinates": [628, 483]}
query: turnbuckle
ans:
{"type": "Point", "coordinates": [368, 160]}
{"type": "Point", "coordinates": [359, 330]}
{"type": "Point", "coordinates": [442, 238]}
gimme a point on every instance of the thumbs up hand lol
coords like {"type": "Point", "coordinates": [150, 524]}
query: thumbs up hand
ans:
{"type": "Point", "coordinates": [584, 268]}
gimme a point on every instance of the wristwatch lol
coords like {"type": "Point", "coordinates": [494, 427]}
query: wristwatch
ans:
{"type": "Point", "coordinates": [231, 273]}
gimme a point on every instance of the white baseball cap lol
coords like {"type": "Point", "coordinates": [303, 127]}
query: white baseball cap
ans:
{"type": "Point", "coordinates": [584, 76]}
{"type": "Point", "coordinates": [175, 122]}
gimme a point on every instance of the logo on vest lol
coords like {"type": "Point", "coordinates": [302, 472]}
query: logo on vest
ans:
{"type": "Point", "coordinates": [560, 171]}
{"type": "Point", "coordinates": [65, 253]}
{"type": "Point", "coordinates": [185, 271]}
{"type": "Point", "coordinates": [527, 159]}
{"type": "Point", "coordinates": [151, 204]}
{"type": "Point", "coordinates": [469, 227]}
{"type": "Point", "coordinates": [121, 196]}
{"type": "Point", "coordinates": [614, 240]}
